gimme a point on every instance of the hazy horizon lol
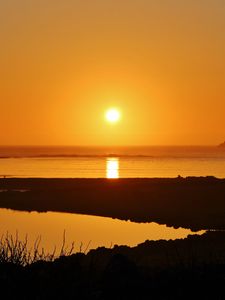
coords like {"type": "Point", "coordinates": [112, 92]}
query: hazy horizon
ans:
{"type": "Point", "coordinates": [109, 146]}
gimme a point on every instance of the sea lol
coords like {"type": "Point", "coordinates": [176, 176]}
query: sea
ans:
{"type": "Point", "coordinates": [89, 232]}
{"type": "Point", "coordinates": [112, 162]}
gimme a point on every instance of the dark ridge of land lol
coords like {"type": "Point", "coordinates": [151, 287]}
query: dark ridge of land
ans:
{"type": "Point", "coordinates": [222, 145]}
{"type": "Point", "coordinates": [191, 268]}
{"type": "Point", "coordinates": [195, 202]}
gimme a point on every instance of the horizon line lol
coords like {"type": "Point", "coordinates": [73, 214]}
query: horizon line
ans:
{"type": "Point", "coordinates": [107, 146]}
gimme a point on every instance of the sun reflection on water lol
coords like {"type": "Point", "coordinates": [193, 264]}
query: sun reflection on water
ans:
{"type": "Point", "coordinates": [112, 168]}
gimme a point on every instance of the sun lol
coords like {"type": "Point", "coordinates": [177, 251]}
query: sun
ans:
{"type": "Point", "coordinates": [112, 115]}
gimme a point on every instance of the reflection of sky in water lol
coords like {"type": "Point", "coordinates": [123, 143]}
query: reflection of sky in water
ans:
{"type": "Point", "coordinates": [112, 168]}
{"type": "Point", "coordinates": [82, 228]}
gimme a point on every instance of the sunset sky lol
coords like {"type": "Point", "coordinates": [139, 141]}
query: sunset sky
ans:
{"type": "Point", "coordinates": [64, 63]}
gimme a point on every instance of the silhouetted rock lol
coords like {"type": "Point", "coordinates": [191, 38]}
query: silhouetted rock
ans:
{"type": "Point", "coordinates": [222, 145]}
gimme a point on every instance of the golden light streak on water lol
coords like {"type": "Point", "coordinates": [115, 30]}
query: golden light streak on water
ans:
{"type": "Point", "coordinates": [112, 168]}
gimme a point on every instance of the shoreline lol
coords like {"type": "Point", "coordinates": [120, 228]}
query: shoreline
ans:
{"type": "Point", "coordinates": [191, 268]}
{"type": "Point", "coordinates": [196, 203]}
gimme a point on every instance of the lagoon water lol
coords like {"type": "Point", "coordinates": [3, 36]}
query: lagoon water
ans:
{"type": "Point", "coordinates": [90, 162]}
{"type": "Point", "coordinates": [89, 231]}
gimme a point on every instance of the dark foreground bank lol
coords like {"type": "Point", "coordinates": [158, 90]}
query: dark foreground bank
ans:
{"type": "Point", "coordinates": [195, 203]}
{"type": "Point", "coordinates": [192, 268]}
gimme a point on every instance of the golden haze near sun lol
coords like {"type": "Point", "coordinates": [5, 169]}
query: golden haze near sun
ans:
{"type": "Point", "coordinates": [62, 63]}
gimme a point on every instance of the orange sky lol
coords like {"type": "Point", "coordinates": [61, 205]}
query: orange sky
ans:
{"type": "Point", "coordinates": [63, 63]}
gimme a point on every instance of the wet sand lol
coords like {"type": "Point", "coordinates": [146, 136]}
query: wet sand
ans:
{"type": "Point", "coordinates": [195, 202]}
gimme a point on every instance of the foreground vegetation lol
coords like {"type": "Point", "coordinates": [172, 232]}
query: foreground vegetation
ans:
{"type": "Point", "coordinates": [192, 268]}
{"type": "Point", "coordinates": [16, 251]}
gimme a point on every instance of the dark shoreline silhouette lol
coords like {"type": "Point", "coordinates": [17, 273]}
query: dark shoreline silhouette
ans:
{"type": "Point", "coordinates": [195, 203]}
{"type": "Point", "coordinates": [191, 268]}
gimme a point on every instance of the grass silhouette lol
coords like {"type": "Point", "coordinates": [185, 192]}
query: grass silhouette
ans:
{"type": "Point", "coordinates": [191, 268]}
{"type": "Point", "coordinates": [16, 251]}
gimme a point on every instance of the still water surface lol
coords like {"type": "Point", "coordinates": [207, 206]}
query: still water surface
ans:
{"type": "Point", "coordinates": [75, 162]}
{"type": "Point", "coordinates": [91, 231]}
{"type": "Point", "coordinates": [100, 162]}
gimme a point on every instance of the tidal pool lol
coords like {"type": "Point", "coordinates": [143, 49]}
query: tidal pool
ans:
{"type": "Point", "coordinates": [87, 232]}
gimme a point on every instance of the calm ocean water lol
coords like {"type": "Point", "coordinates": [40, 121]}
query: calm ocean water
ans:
{"type": "Point", "coordinates": [101, 162]}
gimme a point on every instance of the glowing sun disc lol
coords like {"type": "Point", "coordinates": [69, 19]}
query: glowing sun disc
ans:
{"type": "Point", "coordinates": [112, 115]}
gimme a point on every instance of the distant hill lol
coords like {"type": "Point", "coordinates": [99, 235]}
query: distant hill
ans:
{"type": "Point", "coordinates": [222, 145]}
